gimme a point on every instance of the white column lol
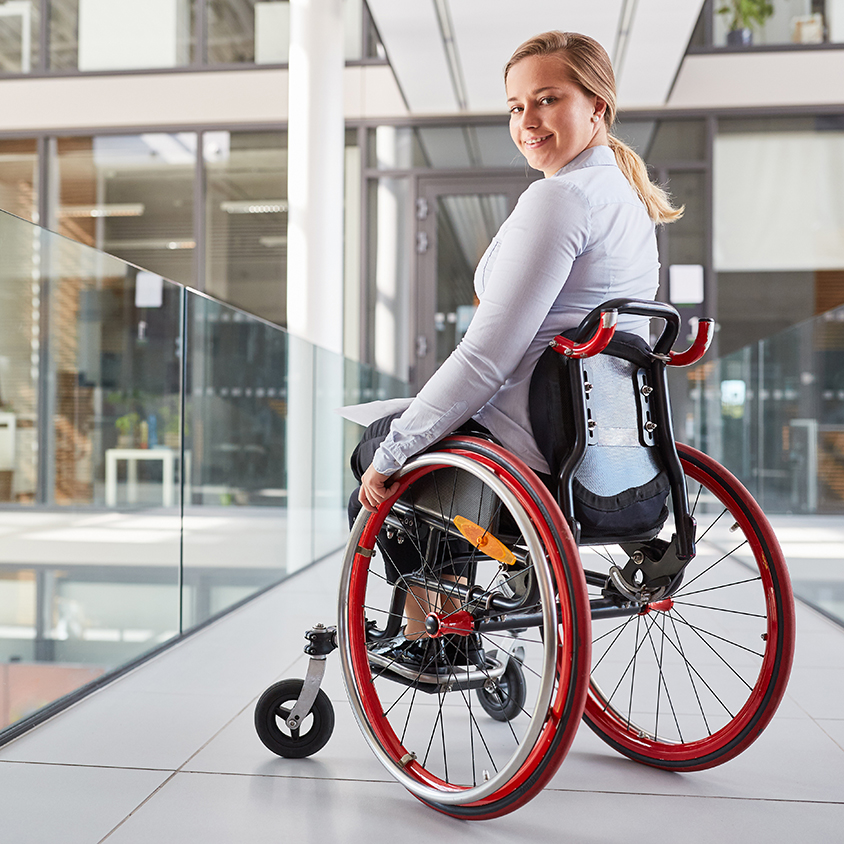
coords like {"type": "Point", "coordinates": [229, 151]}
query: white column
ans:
{"type": "Point", "coordinates": [315, 140]}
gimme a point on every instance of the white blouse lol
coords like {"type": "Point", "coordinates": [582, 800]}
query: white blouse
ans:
{"type": "Point", "coordinates": [573, 241]}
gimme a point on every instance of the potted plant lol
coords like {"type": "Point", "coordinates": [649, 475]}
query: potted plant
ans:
{"type": "Point", "coordinates": [171, 422]}
{"type": "Point", "coordinates": [744, 15]}
{"type": "Point", "coordinates": [126, 425]}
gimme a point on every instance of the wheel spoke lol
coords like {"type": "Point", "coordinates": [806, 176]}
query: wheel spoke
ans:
{"type": "Point", "coordinates": [720, 609]}
{"type": "Point", "coordinates": [719, 560]}
{"type": "Point", "coordinates": [684, 594]}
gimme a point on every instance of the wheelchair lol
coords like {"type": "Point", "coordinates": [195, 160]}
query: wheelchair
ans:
{"type": "Point", "coordinates": [671, 635]}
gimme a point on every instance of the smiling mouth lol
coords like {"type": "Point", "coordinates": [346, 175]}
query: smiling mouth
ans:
{"type": "Point", "coordinates": [535, 142]}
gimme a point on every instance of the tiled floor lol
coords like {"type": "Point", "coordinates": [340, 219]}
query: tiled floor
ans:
{"type": "Point", "coordinates": [169, 754]}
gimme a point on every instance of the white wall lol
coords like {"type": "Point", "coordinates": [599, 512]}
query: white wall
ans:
{"type": "Point", "coordinates": [179, 99]}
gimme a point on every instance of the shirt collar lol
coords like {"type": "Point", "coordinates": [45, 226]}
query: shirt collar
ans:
{"type": "Point", "coordinates": [600, 156]}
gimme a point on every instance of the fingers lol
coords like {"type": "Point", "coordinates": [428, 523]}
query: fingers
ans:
{"type": "Point", "coordinates": [374, 490]}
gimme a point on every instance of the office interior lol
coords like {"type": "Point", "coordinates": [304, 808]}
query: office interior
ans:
{"type": "Point", "coordinates": [173, 472]}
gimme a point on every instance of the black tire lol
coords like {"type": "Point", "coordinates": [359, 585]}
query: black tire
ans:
{"type": "Point", "coordinates": [271, 712]}
{"type": "Point", "coordinates": [507, 699]}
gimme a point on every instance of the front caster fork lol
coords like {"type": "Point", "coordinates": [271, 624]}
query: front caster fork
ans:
{"type": "Point", "coordinates": [304, 728]}
{"type": "Point", "coordinates": [322, 641]}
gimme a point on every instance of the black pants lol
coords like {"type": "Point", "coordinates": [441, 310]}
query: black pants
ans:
{"type": "Point", "coordinates": [404, 557]}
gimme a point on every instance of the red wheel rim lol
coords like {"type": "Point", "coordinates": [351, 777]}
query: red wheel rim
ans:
{"type": "Point", "coordinates": [561, 698]}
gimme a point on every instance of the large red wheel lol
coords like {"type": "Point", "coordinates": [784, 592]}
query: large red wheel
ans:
{"type": "Point", "coordinates": [471, 509]}
{"type": "Point", "coordinates": [690, 681]}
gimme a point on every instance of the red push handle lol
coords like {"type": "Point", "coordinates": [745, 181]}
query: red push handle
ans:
{"type": "Point", "coordinates": [595, 345]}
{"type": "Point", "coordinates": [702, 341]}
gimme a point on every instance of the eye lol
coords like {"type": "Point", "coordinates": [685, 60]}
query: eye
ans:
{"type": "Point", "coordinates": [547, 100]}
{"type": "Point", "coordinates": [516, 110]}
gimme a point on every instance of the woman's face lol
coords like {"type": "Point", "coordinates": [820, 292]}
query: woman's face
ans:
{"type": "Point", "coordinates": [551, 116]}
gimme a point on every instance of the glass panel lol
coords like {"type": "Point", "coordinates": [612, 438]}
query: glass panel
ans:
{"type": "Point", "coordinates": [89, 571]}
{"type": "Point", "coordinates": [246, 220]}
{"type": "Point", "coordinates": [677, 140]}
{"type": "Point", "coordinates": [789, 21]}
{"type": "Point", "coordinates": [248, 31]}
{"type": "Point", "coordinates": [120, 34]}
{"type": "Point", "coordinates": [131, 196]}
{"type": "Point", "coordinates": [259, 31]}
{"type": "Point", "coordinates": [372, 46]}
{"type": "Point", "coordinates": [20, 335]}
{"type": "Point", "coordinates": [683, 248]}
{"type": "Point", "coordinates": [235, 528]}
{"type": "Point", "coordinates": [465, 227]}
{"type": "Point", "coordinates": [20, 21]}
{"type": "Point", "coordinates": [19, 177]}
{"type": "Point", "coordinates": [773, 413]}
{"type": "Point", "coordinates": [442, 147]}
{"type": "Point", "coordinates": [662, 142]}
{"type": "Point", "coordinates": [101, 527]}
{"type": "Point", "coordinates": [755, 305]}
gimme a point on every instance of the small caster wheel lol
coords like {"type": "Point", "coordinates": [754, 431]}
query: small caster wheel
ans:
{"type": "Point", "coordinates": [271, 713]}
{"type": "Point", "coordinates": [505, 697]}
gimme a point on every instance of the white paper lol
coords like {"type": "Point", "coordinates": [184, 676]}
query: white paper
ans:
{"type": "Point", "coordinates": [367, 413]}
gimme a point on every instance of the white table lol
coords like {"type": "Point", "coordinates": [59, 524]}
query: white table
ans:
{"type": "Point", "coordinates": [168, 458]}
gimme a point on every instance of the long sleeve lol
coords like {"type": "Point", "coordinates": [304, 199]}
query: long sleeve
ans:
{"type": "Point", "coordinates": [533, 256]}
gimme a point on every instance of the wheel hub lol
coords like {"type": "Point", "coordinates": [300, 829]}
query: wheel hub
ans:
{"type": "Point", "coordinates": [460, 623]}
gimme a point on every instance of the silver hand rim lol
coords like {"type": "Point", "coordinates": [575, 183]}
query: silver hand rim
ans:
{"type": "Point", "coordinates": [461, 796]}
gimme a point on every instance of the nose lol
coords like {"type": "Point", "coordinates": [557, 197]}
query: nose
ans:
{"type": "Point", "coordinates": [529, 117]}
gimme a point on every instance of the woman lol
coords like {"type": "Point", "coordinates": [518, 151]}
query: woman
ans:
{"type": "Point", "coordinates": [581, 236]}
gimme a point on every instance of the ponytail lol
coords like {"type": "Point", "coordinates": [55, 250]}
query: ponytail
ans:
{"type": "Point", "coordinates": [655, 199]}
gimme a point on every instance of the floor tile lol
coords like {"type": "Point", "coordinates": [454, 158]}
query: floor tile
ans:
{"type": "Point", "coordinates": [791, 760]}
{"type": "Point", "coordinates": [127, 730]}
{"type": "Point", "coordinates": [212, 808]}
{"type": "Point", "coordinates": [74, 805]}
{"type": "Point", "coordinates": [237, 749]}
{"type": "Point", "coordinates": [835, 730]}
{"type": "Point", "coordinates": [818, 691]}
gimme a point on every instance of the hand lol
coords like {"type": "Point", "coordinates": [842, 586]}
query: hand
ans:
{"type": "Point", "coordinates": [374, 489]}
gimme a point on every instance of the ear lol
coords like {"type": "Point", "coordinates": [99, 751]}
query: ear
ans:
{"type": "Point", "coordinates": [600, 106]}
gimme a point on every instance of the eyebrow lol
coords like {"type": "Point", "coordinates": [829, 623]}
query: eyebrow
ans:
{"type": "Point", "coordinates": [534, 93]}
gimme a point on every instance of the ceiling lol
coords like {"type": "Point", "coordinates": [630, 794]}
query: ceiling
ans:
{"type": "Point", "coordinates": [448, 55]}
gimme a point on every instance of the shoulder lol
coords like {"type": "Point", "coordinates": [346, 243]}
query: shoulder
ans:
{"type": "Point", "coordinates": [556, 195]}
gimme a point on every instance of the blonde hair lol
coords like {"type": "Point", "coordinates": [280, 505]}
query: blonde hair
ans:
{"type": "Point", "coordinates": [590, 67]}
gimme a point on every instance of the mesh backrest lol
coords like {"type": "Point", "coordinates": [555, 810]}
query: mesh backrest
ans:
{"type": "Point", "coordinates": [615, 458]}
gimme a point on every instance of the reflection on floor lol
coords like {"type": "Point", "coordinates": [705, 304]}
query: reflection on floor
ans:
{"type": "Point", "coordinates": [169, 754]}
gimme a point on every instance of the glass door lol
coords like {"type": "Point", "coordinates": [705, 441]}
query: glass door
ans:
{"type": "Point", "coordinates": [456, 219]}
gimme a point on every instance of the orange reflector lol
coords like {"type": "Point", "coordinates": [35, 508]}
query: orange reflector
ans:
{"type": "Point", "coordinates": [484, 541]}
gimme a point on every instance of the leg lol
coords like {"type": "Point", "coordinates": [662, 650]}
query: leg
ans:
{"type": "Point", "coordinates": [399, 561]}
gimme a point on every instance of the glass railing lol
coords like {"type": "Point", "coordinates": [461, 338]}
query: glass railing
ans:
{"type": "Point", "coordinates": [157, 450]}
{"type": "Point", "coordinates": [773, 414]}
